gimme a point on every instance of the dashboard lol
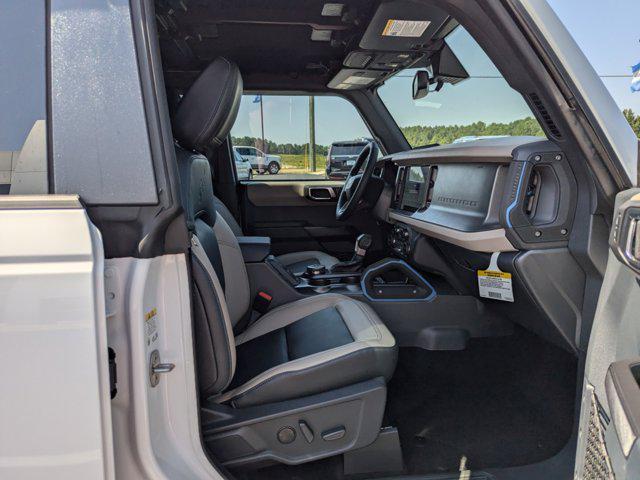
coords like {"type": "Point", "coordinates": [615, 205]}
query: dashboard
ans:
{"type": "Point", "coordinates": [452, 207]}
{"type": "Point", "coordinates": [488, 195]}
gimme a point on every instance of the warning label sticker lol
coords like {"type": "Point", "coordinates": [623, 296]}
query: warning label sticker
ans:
{"type": "Point", "coordinates": [151, 326]}
{"type": "Point", "coordinates": [495, 285]}
{"type": "Point", "coordinates": [405, 28]}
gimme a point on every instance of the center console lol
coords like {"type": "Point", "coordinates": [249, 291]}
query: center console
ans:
{"type": "Point", "coordinates": [317, 280]}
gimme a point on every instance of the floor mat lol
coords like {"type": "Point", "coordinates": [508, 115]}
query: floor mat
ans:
{"type": "Point", "coordinates": [501, 402]}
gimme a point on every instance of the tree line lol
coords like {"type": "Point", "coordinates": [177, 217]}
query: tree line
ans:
{"type": "Point", "coordinates": [418, 135]}
{"type": "Point", "coordinates": [283, 148]}
{"type": "Point", "coordinates": [633, 119]}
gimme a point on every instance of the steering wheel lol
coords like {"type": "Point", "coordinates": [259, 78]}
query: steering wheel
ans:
{"type": "Point", "coordinates": [360, 190]}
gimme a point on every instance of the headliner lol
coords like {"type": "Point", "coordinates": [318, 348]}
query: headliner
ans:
{"type": "Point", "coordinates": [270, 40]}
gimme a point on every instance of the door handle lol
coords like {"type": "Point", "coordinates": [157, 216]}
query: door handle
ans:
{"type": "Point", "coordinates": [623, 398]}
{"type": "Point", "coordinates": [321, 194]}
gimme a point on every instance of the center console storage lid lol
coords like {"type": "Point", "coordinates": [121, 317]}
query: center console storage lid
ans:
{"type": "Point", "coordinates": [254, 249]}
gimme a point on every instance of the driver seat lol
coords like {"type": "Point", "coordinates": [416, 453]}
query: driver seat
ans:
{"type": "Point", "coordinates": [295, 262]}
{"type": "Point", "coordinates": [214, 77]}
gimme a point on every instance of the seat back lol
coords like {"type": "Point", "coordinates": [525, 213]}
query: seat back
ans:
{"type": "Point", "coordinates": [220, 288]}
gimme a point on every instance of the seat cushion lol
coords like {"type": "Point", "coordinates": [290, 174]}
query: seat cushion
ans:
{"type": "Point", "coordinates": [297, 262]}
{"type": "Point", "coordinates": [309, 346]}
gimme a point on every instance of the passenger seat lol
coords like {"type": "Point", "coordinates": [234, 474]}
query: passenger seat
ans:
{"type": "Point", "coordinates": [314, 345]}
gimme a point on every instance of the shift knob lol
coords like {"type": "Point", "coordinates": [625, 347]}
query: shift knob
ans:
{"type": "Point", "coordinates": [363, 242]}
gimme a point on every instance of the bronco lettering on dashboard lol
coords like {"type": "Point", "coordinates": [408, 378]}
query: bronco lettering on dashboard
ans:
{"type": "Point", "coordinates": [457, 201]}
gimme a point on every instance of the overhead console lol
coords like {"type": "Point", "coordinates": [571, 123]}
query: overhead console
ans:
{"type": "Point", "coordinates": [488, 195]}
{"type": "Point", "coordinates": [401, 34]}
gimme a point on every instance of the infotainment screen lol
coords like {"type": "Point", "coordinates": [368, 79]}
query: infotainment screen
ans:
{"type": "Point", "coordinates": [415, 189]}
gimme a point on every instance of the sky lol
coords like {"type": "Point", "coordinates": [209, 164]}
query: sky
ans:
{"type": "Point", "coordinates": [607, 31]}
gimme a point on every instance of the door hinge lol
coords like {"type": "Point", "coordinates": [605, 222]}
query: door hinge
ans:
{"type": "Point", "coordinates": [113, 373]}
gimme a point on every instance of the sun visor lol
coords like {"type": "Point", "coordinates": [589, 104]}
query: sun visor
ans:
{"type": "Point", "coordinates": [352, 79]}
{"type": "Point", "coordinates": [402, 26]}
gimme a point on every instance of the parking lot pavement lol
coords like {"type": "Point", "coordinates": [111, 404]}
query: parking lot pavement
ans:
{"type": "Point", "coordinates": [292, 175]}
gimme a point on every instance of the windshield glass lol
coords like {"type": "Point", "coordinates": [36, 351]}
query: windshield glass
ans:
{"type": "Point", "coordinates": [479, 107]}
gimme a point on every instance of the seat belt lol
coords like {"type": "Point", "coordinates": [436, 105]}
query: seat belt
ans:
{"type": "Point", "coordinates": [260, 306]}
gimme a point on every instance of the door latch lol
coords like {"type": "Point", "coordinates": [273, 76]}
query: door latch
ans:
{"type": "Point", "coordinates": [156, 368]}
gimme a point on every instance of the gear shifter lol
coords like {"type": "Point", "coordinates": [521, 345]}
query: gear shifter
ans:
{"type": "Point", "coordinates": [363, 242]}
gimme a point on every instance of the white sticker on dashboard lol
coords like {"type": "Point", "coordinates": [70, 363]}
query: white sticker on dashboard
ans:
{"type": "Point", "coordinates": [494, 283]}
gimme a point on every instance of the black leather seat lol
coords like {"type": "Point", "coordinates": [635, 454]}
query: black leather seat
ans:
{"type": "Point", "coordinates": [310, 346]}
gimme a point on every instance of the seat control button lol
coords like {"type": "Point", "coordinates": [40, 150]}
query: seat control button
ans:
{"type": "Point", "coordinates": [334, 434]}
{"type": "Point", "coordinates": [307, 433]}
{"type": "Point", "coordinates": [286, 435]}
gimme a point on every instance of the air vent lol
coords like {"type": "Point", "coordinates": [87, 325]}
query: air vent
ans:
{"type": "Point", "coordinates": [400, 177]}
{"type": "Point", "coordinates": [544, 115]}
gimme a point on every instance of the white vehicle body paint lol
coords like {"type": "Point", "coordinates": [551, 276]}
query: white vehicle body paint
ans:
{"type": "Point", "coordinates": [156, 432]}
{"type": "Point", "coordinates": [55, 412]}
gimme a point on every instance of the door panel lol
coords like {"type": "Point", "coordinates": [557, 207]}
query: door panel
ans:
{"type": "Point", "coordinates": [299, 215]}
{"type": "Point", "coordinates": [610, 414]}
{"type": "Point", "coordinates": [55, 413]}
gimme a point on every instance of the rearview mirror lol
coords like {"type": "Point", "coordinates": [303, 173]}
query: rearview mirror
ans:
{"type": "Point", "coordinates": [421, 81]}
{"type": "Point", "coordinates": [446, 68]}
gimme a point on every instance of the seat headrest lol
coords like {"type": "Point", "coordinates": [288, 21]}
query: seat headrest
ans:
{"type": "Point", "coordinates": [196, 187]}
{"type": "Point", "coordinates": [208, 110]}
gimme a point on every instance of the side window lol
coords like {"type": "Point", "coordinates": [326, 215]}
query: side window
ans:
{"type": "Point", "coordinates": [23, 132]}
{"type": "Point", "coordinates": [299, 137]}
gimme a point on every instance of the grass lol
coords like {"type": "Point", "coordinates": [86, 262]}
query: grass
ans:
{"type": "Point", "coordinates": [301, 162]}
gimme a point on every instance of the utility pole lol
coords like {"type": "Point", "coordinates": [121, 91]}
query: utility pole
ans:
{"type": "Point", "coordinates": [312, 132]}
{"type": "Point", "coordinates": [263, 147]}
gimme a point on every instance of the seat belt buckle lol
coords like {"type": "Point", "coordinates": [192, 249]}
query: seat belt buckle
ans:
{"type": "Point", "coordinates": [261, 302]}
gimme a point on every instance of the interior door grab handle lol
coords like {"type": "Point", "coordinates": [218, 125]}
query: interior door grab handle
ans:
{"type": "Point", "coordinates": [625, 234]}
{"type": "Point", "coordinates": [623, 398]}
{"type": "Point", "coordinates": [314, 193]}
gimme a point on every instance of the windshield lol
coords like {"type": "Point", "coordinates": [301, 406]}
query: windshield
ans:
{"type": "Point", "coordinates": [479, 107]}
